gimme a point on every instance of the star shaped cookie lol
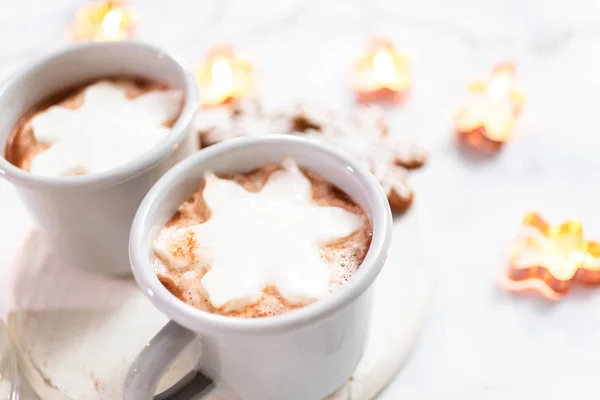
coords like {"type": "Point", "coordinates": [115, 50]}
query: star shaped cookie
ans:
{"type": "Point", "coordinates": [364, 135]}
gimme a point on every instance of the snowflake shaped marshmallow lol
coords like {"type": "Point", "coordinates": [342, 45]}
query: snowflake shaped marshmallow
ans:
{"type": "Point", "coordinates": [107, 130]}
{"type": "Point", "coordinates": [252, 240]}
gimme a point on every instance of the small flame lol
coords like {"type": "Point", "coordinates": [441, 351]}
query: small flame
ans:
{"type": "Point", "coordinates": [222, 77]}
{"type": "Point", "coordinates": [497, 89]}
{"type": "Point", "coordinates": [222, 74]}
{"type": "Point", "coordinates": [102, 21]}
{"type": "Point", "coordinates": [382, 74]}
{"type": "Point", "coordinates": [111, 24]}
{"type": "Point", "coordinates": [500, 84]}
{"type": "Point", "coordinates": [384, 66]}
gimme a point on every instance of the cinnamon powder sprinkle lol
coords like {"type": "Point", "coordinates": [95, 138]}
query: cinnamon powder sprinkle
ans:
{"type": "Point", "coordinates": [184, 248]}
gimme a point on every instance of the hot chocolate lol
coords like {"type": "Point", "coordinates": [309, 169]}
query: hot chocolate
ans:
{"type": "Point", "coordinates": [261, 243]}
{"type": "Point", "coordinates": [93, 127]}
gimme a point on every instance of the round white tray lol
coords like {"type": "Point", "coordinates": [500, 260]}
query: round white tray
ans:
{"type": "Point", "coordinates": [76, 334]}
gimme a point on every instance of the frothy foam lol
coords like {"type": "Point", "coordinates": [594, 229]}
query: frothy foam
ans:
{"type": "Point", "coordinates": [262, 252]}
{"type": "Point", "coordinates": [108, 129]}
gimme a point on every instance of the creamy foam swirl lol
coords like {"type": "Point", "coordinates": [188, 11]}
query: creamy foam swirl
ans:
{"type": "Point", "coordinates": [107, 130]}
{"type": "Point", "coordinates": [254, 240]}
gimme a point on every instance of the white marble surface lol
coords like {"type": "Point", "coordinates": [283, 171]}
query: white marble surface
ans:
{"type": "Point", "coordinates": [480, 342]}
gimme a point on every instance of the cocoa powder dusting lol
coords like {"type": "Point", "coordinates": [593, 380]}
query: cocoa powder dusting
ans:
{"type": "Point", "coordinates": [344, 255]}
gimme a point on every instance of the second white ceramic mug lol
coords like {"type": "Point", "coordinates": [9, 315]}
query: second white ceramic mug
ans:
{"type": "Point", "coordinates": [302, 355]}
{"type": "Point", "coordinates": [87, 218]}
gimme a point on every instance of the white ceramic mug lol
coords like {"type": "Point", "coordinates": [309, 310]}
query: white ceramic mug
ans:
{"type": "Point", "coordinates": [88, 218]}
{"type": "Point", "coordinates": [305, 354]}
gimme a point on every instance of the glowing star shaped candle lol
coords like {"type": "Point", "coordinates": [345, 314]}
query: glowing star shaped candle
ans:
{"type": "Point", "coordinates": [102, 21]}
{"type": "Point", "coordinates": [382, 75]}
{"type": "Point", "coordinates": [550, 259]}
{"type": "Point", "coordinates": [223, 77]}
{"type": "Point", "coordinates": [486, 120]}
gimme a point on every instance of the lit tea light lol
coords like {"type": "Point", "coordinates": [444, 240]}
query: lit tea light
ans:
{"type": "Point", "coordinates": [486, 120]}
{"type": "Point", "coordinates": [550, 259]}
{"type": "Point", "coordinates": [382, 75]}
{"type": "Point", "coordinates": [223, 77]}
{"type": "Point", "coordinates": [102, 21]}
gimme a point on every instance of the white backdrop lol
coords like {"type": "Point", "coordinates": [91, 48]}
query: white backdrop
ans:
{"type": "Point", "coordinates": [479, 342]}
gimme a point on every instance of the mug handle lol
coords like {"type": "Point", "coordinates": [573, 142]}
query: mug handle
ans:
{"type": "Point", "coordinates": [150, 365]}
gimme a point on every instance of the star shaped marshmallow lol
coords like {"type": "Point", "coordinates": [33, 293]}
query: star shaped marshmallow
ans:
{"type": "Point", "coordinates": [254, 240]}
{"type": "Point", "coordinates": [107, 130]}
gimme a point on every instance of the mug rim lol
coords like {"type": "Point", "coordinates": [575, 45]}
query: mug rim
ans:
{"type": "Point", "coordinates": [122, 172]}
{"type": "Point", "coordinates": [191, 317]}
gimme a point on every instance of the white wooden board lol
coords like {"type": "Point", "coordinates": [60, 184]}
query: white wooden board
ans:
{"type": "Point", "coordinates": [77, 333]}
